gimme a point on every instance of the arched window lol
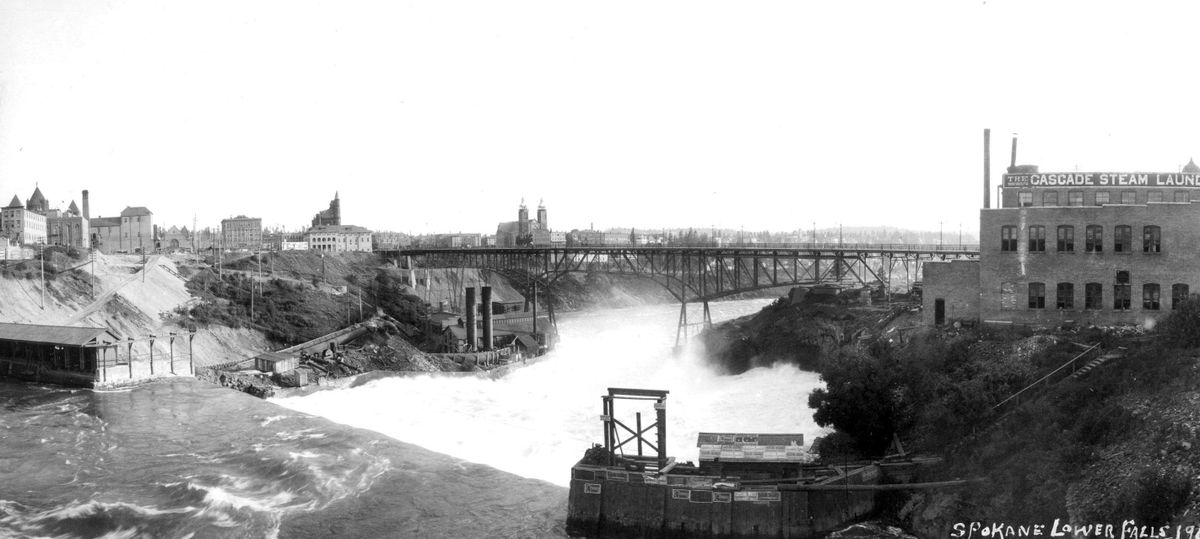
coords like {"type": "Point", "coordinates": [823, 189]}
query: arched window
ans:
{"type": "Point", "coordinates": [1150, 296]}
{"type": "Point", "coordinates": [1037, 239]}
{"type": "Point", "coordinates": [1093, 237]}
{"type": "Point", "coordinates": [1093, 296]}
{"type": "Point", "coordinates": [1008, 238]}
{"type": "Point", "coordinates": [1037, 296]}
{"type": "Point", "coordinates": [1122, 239]}
{"type": "Point", "coordinates": [1179, 294]}
{"type": "Point", "coordinates": [1151, 239]}
{"type": "Point", "coordinates": [1066, 296]}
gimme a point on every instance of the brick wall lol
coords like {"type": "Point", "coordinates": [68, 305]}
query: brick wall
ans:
{"type": "Point", "coordinates": [956, 283]}
{"type": "Point", "coordinates": [1004, 277]}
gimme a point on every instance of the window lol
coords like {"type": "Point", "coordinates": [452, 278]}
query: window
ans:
{"type": "Point", "coordinates": [1151, 239]}
{"type": "Point", "coordinates": [1150, 296]}
{"type": "Point", "coordinates": [1050, 198]}
{"type": "Point", "coordinates": [1093, 239]}
{"type": "Point", "coordinates": [1121, 294]}
{"type": "Point", "coordinates": [1102, 198]}
{"type": "Point", "coordinates": [1074, 198]}
{"type": "Point", "coordinates": [1179, 294]}
{"type": "Point", "coordinates": [1037, 239]}
{"type": "Point", "coordinates": [1008, 238]}
{"type": "Point", "coordinates": [1093, 296]}
{"type": "Point", "coordinates": [1037, 296]}
{"type": "Point", "coordinates": [1066, 296]}
{"type": "Point", "coordinates": [1066, 239]}
{"type": "Point", "coordinates": [1183, 196]}
{"type": "Point", "coordinates": [1154, 196]}
{"type": "Point", "coordinates": [1025, 198]}
{"type": "Point", "coordinates": [1128, 197]}
{"type": "Point", "coordinates": [1122, 239]}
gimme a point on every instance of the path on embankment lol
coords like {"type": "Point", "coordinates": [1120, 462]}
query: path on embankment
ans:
{"type": "Point", "coordinates": [107, 296]}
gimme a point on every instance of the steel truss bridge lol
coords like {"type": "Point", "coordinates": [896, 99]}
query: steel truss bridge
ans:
{"type": "Point", "coordinates": [701, 274]}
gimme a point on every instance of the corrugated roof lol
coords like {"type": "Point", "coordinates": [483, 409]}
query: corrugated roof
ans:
{"type": "Point", "coordinates": [64, 335]}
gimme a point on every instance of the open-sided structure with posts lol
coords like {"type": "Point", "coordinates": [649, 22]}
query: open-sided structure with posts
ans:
{"type": "Point", "coordinates": [88, 356]}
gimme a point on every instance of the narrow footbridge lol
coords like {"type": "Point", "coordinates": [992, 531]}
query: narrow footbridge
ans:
{"type": "Point", "coordinates": [701, 274]}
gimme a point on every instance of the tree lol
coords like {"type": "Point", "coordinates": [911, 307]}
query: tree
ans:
{"type": "Point", "coordinates": [860, 399]}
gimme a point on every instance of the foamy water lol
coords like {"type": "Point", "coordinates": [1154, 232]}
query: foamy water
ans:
{"type": "Point", "coordinates": [538, 420]}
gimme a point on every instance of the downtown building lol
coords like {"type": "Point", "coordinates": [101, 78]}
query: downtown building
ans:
{"type": "Point", "coordinates": [242, 233]}
{"type": "Point", "coordinates": [1077, 248]}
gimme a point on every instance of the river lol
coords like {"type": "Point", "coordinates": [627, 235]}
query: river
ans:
{"type": "Point", "coordinates": [492, 456]}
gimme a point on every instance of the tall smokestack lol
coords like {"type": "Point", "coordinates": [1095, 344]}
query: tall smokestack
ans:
{"type": "Point", "coordinates": [86, 214]}
{"type": "Point", "coordinates": [485, 301]}
{"type": "Point", "coordinates": [1013, 164]}
{"type": "Point", "coordinates": [987, 168]}
{"type": "Point", "coordinates": [471, 341]}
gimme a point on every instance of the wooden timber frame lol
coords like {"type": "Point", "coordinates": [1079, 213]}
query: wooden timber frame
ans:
{"type": "Point", "coordinates": [702, 273]}
{"type": "Point", "coordinates": [612, 436]}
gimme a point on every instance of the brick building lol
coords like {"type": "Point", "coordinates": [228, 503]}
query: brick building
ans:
{"type": "Point", "coordinates": [242, 232]}
{"type": "Point", "coordinates": [22, 226]}
{"type": "Point", "coordinates": [1076, 248]}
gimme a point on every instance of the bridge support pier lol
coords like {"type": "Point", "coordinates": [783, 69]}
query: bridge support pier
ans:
{"type": "Point", "coordinates": [681, 330]}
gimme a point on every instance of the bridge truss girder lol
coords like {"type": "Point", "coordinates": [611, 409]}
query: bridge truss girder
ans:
{"type": "Point", "coordinates": [698, 274]}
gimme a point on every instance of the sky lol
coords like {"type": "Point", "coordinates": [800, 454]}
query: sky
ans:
{"type": "Point", "coordinates": [441, 116]}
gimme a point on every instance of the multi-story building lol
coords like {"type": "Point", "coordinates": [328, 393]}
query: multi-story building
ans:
{"type": "Point", "coordinates": [1076, 247]}
{"type": "Point", "coordinates": [331, 216]}
{"type": "Point", "coordinates": [339, 238]}
{"type": "Point", "coordinates": [69, 228]}
{"type": "Point", "coordinates": [387, 241]}
{"type": "Point", "coordinates": [21, 225]}
{"type": "Point", "coordinates": [242, 232]}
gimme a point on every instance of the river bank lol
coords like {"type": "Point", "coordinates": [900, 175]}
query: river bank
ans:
{"type": "Point", "coordinates": [1109, 444]}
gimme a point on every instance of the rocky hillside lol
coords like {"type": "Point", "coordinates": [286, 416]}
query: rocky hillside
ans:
{"type": "Point", "coordinates": [1118, 442]}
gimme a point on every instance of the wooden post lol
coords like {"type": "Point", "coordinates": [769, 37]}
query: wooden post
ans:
{"type": "Point", "coordinates": [152, 355]}
{"type": "Point", "coordinates": [129, 356]}
{"type": "Point", "coordinates": [660, 410]}
{"type": "Point", "coordinates": [172, 352]}
{"type": "Point", "coordinates": [191, 366]}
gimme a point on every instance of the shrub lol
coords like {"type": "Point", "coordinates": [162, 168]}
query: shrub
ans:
{"type": "Point", "coordinates": [1182, 326]}
{"type": "Point", "coordinates": [1157, 495]}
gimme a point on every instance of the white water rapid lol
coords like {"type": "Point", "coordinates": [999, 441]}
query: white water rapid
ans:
{"type": "Point", "coordinates": [538, 420]}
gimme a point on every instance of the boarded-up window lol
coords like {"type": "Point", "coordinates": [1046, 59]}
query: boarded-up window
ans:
{"type": "Point", "coordinates": [1008, 296]}
{"type": "Point", "coordinates": [1093, 296]}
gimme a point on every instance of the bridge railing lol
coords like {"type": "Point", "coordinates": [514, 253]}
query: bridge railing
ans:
{"type": "Point", "coordinates": [830, 246]}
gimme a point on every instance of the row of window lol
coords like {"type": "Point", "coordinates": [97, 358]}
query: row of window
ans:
{"type": "Point", "coordinates": [1093, 239]}
{"type": "Point", "coordinates": [1093, 296]}
{"type": "Point", "coordinates": [1075, 198]}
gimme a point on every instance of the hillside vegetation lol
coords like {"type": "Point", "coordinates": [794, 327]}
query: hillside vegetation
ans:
{"type": "Point", "coordinates": [1116, 443]}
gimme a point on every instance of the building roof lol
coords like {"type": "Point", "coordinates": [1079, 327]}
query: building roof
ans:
{"type": "Point", "coordinates": [1191, 167]}
{"type": "Point", "coordinates": [337, 229]}
{"type": "Point", "coordinates": [528, 342]}
{"type": "Point", "coordinates": [97, 222]}
{"type": "Point", "coordinates": [73, 208]}
{"type": "Point", "coordinates": [130, 211]}
{"type": "Point", "coordinates": [37, 199]}
{"type": "Point", "coordinates": [16, 203]}
{"type": "Point", "coordinates": [62, 335]}
{"type": "Point", "coordinates": [274, 356]}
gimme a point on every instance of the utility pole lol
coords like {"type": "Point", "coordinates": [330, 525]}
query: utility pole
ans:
{"type": "Point", "coordinates": [93, 255]}
{"type": "Point", "coordinates": [939, 234]}
{"type": "Point", "coordinates": [142, 248]}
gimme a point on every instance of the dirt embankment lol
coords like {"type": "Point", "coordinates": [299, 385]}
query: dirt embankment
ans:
{"type": "Point", "coordinates": [804, 332]}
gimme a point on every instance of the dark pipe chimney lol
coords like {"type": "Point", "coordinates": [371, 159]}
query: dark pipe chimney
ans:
{"type": "Point", "coordinates": [86, 215]}
{"type": "Point", "coordinates": [485, 302]}
{"type": "Point", "coordinates": [471, 341]}
{"type": "Point", "coordinates": [987, 168]}
{"type": "Point", "coordinates": [1013, 164]}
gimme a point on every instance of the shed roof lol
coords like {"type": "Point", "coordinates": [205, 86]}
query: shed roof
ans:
{"type": "Point", "coordinates": [63, 335]}
{"type": "Point", "coordinates": [274, 356]}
